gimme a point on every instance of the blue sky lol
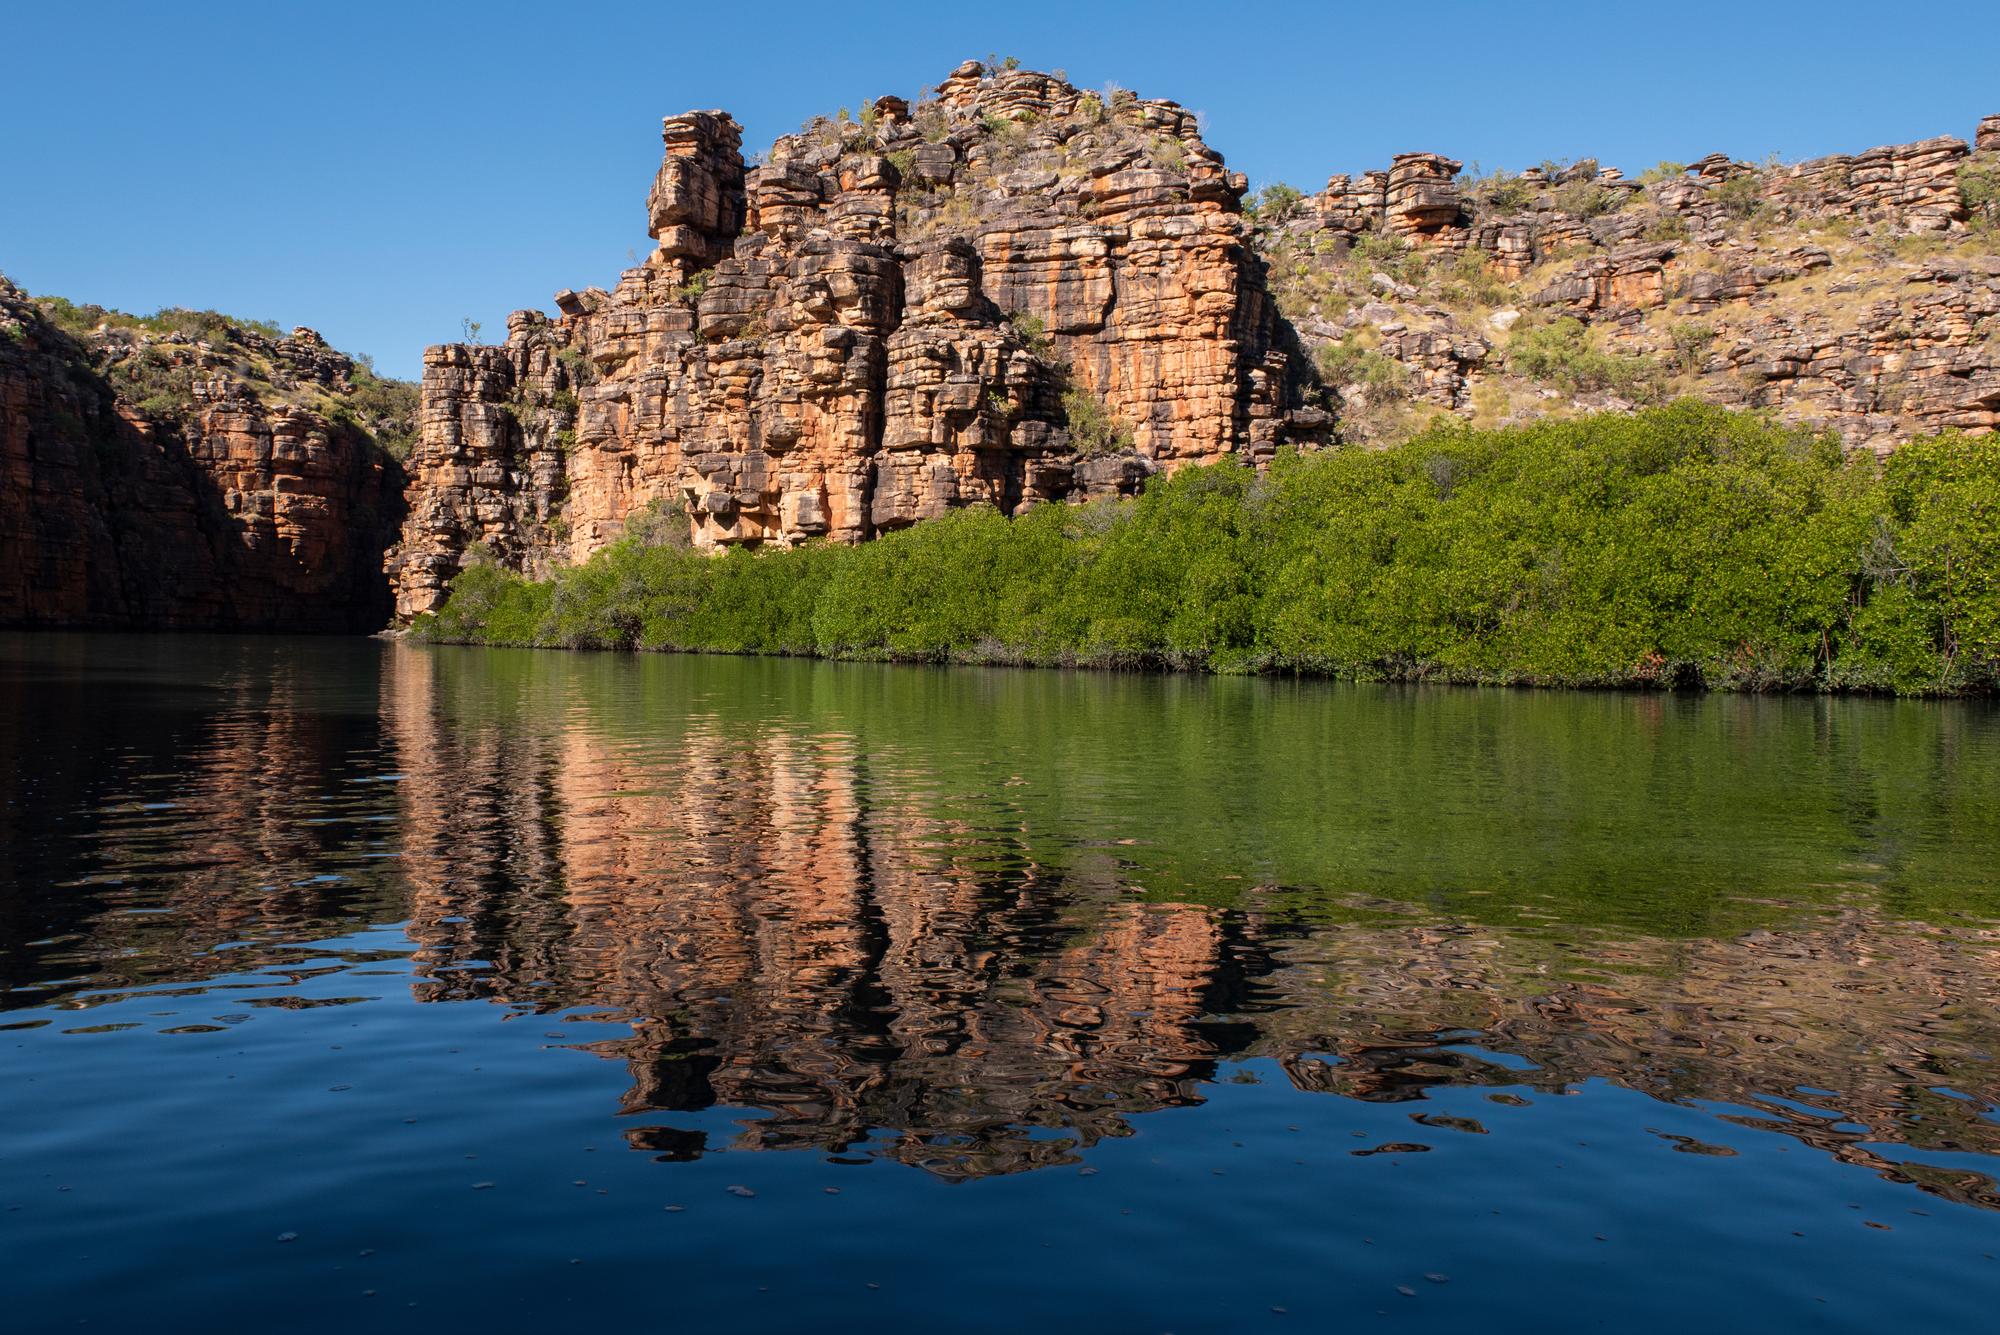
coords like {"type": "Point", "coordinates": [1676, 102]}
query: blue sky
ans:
{"type": "Point", "coordinates": [380, 171]}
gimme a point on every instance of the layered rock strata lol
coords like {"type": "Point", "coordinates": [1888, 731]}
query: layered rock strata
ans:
{"type": "Point", "coordinates": [1008, 291]}
{"type": "Point", "coordinates": [1013, 291]}
{"type": "Point", "coordinates": [162, 480]}
{"type": "Point", "coordinates": [1017, 291]}
{"type": "Point", "coordinates": [1859, 293]}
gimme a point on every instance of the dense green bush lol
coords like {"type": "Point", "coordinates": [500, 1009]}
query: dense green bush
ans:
{"type": "Point", "coordinates": [387, 408]}
{"type": "Point", "coordinates": [1932, 623]}
{"type": "Point", "coordinates": [213, 326]}
{"type": "Point", "coordinates": [1562, 353]}
{"type": "Point", "coordinates": [1349, 361]}
{"type": "Point", "coordinates": [1276, 202]}
{"type": "Point", "coordinates": [1503, 193]}
{"type": "Point", "coordinates": [155, 382]}
{"type": "Point", "coordinates": [1684, 545]}
{"type": "Point", "coordinates": [1741, 196]}
{"type": "Point", "coordinates": [1979, 188]}
{"type": "Point", "coordinates": [1093, 427]}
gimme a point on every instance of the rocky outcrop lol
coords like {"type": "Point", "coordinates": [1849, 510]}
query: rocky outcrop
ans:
{"type": "Point", "coordinates": [1914, 186]}
{"type": "Point", "coordinates": [156, 478]}
{"type": "Point", "coordinates": [1859, 293]}
{"type": "Point", "coordinates": [1007, 291]}
{"type": "Point", "coordinates": [1013, 291]}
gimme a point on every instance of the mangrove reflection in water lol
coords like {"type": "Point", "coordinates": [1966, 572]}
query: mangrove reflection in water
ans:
{"type": "Point", "coordinates": [272, 908]}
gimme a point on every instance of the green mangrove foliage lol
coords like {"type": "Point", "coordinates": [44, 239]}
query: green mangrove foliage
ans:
{"type": "Point", "coordinates": [1686, 545]}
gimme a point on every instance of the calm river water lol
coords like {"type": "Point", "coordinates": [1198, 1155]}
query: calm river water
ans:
{"type": "Point", "coordinates": [348, 985]}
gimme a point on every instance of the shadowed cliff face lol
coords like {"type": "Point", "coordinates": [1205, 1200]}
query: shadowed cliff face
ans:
{"type": "Point", "coordinates": [146, 482]}
{"type": "Point", "coordinates": [914, 916]}
{"type": "Point", "coordinates": [1014, 292]}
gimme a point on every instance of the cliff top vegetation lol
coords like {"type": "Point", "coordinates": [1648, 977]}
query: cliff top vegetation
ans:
{"type": "Point", "coordinates": [155, 362]}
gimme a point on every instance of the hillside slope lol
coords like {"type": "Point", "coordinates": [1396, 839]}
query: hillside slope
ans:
{"type": "Point", "coordinates": [1855, 293]}
{"type": "Point", "coordinates": [187, 471]}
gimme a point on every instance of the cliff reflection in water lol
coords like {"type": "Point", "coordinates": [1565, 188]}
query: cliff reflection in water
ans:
{"type": "Point", "coordinates": [795, 924]}
{"type": "Point", "coordinates": [977, 922]}
{"type": "Point", "coordinates": [805, 917]}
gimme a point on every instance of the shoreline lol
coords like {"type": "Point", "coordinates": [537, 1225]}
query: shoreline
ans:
{"type": "Point", "coordinates": [1632, 686]}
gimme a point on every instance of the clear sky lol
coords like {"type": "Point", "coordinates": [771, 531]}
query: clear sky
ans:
{"type": "Point", "coordinates": [382, 170]}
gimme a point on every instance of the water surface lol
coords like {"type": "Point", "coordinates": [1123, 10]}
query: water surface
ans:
{"type": "Point", "coordinates": [349, 985]}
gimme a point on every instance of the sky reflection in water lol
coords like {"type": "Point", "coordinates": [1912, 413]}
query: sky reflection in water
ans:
{"type": "Point", "coordinates": [341, 977]}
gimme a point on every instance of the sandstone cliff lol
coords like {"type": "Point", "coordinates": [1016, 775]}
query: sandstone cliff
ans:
{"type": "Point", "coordinates": [184, 471]}
{"type": "Point", "coordinates": [1013, 291]}
{"type": "Point", "coordinates": [1857, 293]}
{"type": "Point", "coordinates": [1016, 291]}
{"type": "Point", "coordinates": [1009, 291]}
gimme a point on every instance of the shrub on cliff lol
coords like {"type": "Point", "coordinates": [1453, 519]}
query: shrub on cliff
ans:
{"type": "Point", "coordinates": [1275, 203]}
{"type": "Point", "coordinates": [1502, 193]}
{"type": "Point", "coordinates": [387, 409]}
{"type": "Point", "coordinates": [1588, 199]}
{"type": "Point", "coordinates": [1562, 353]}
{"type": "Point", "coordinates": [155, 381]}
{"type": "Point", "coordinates": [1093, 427]}
{"type": "Point", "coordinates": [1351, 361]}
{"type": "Point", "coordinates": [1741, 196]}
{"type": "Point", "coordinates": [1979, 190]}
{"type": "Point", "coordinates": [1682, 545]}
{"type": "Point", "coordinates": [1034, 332]}
{"type": "Point", "coordinates": [210, 326]}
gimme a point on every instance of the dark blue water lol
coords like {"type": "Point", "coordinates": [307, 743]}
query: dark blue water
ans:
{"type": "Point", "coordinates": [356, 986]}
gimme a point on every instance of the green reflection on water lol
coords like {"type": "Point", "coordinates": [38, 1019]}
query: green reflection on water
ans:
{"type": "Point", "coordinates": [1671, 815]}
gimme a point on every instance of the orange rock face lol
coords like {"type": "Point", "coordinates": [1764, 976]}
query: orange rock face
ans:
{"type": "Point", "coordinates": [218, 511]}
{"type": "Point", "coordinates": [1014, 292]}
